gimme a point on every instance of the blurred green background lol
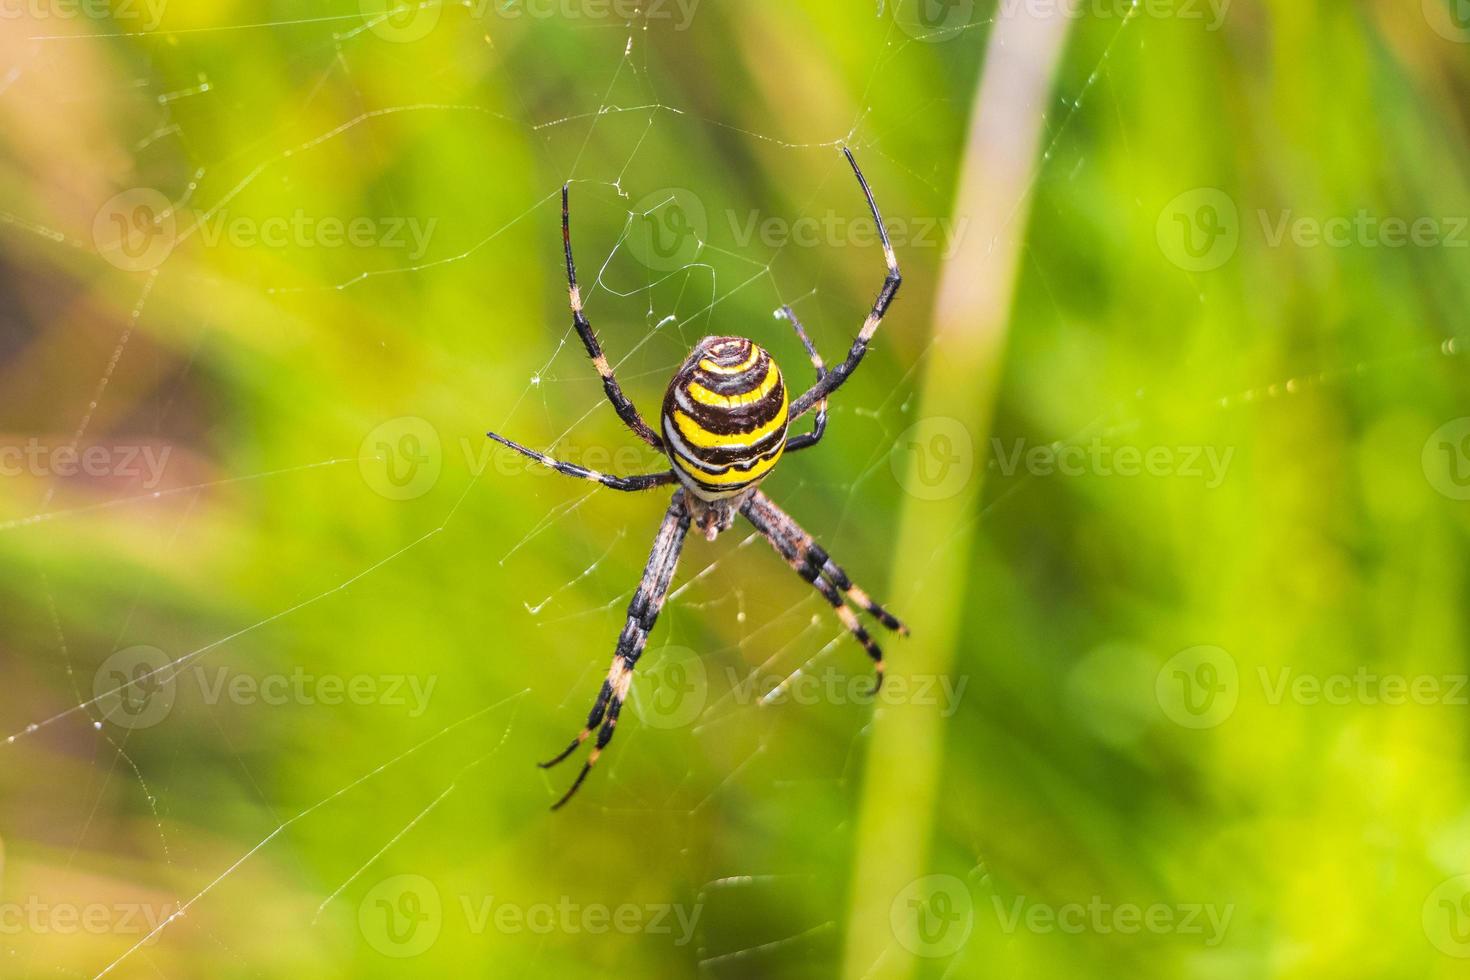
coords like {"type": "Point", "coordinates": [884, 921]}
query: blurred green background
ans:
{"type": "Point", "coordinates": [271, 271]}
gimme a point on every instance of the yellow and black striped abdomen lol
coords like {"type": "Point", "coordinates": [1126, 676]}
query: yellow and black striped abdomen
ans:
{"type": "Point", "coordinates": [724, 417]}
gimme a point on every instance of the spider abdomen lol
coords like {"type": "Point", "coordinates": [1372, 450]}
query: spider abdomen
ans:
{"type": "Point", "coordinates": [724, 417]}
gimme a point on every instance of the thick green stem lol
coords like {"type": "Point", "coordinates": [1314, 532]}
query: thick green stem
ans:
{"type": "Point", "coordinates": [971, 314]}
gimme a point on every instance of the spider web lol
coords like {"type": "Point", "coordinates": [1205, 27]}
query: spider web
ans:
{"type": "Point", "coordinates": [294, 830]}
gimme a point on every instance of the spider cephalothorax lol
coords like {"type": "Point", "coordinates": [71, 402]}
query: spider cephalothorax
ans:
{"type": "Point", "coordinates": [724, 426]}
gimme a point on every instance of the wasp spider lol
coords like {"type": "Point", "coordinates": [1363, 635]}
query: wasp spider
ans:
{"type": "Point", "coordinates": [723, 426]}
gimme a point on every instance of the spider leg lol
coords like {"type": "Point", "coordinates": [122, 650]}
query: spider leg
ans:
{"type": "Point", "coordinates": [819, 424]}
{"type": "Point", "coordinates": [626, 410]}
{"type": "Point", "coordinates": [642, 481]}
{"type": "Point", "coordinates": [643, 612]}
{"type": "Point", "coordinates": [834, 378]}
{"type": "Point", "coordinates": [813, 564]}
{"type": "Point", "coordinates": [835, 574]}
